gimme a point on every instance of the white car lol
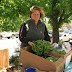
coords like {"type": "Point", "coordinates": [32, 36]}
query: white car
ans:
{"type": "Point", "coordinates": [6, 34]}
{"type": "Point", "coordinates": [70, 36]}
{"type": "Point", "coordinates": [63, 37]}
{"type": "Point", "coordinates": [17, 34]}
{"type": "Point", "coordinates": [50, 33]}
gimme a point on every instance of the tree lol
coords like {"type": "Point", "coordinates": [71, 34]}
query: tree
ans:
{"type": "Point", "coordinates": [16, 11]}
{"type": "Point", "coordinates": [58, 13]}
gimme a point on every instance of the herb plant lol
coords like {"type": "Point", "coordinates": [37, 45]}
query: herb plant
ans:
{"type": "Point", "coordinates": [53, 59]}
{"type": "Point", "coordinates": [41, 48]}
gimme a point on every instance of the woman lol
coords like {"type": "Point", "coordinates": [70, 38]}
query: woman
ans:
{"type": "Point", "coordinates": [33, 29]}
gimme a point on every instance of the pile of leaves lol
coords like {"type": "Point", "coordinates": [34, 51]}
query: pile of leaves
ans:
{"type": "Point", "coordinates": [42, 48]}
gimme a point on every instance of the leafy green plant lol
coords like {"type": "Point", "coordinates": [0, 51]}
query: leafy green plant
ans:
{"type": "Point", "coordinates": [41, 48]}
{"type": "Point", "coordinates": [14, 60]}
{"type": "Point", "coordinates": [53, 59]}
{"type": "Point", "coordinates": [59, 52]}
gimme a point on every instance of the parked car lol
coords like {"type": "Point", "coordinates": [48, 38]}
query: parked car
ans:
{"type": "Point", "coordinates": [70, 31]}
{"type": "Point", "coordinates": [66, 31]}
{"type": "Point", "coordinates": [17, 34]}
{"type": "Point", "coordinates": [63, 37]}
{"type": "Point", "coordinates": [50, 33]}
{"type": "Point", "coordinates": [70, 41]}
{"type": "Point", "coordinates": [7, 34]}
{"type": "Point", "coordinates": [70, 35]}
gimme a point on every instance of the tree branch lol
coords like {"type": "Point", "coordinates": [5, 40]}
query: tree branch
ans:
{"type": "Point", "coordinates": [60, 20]}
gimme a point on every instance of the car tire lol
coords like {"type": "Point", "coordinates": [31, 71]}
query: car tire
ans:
{"type": "Point", "coordinates": [8, 37]}
{"type": "Point", "coordinates": [16, 37]}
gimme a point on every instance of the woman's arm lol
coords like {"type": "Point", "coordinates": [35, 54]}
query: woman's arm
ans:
{"type": "Point", "coordinates": [22, 34]}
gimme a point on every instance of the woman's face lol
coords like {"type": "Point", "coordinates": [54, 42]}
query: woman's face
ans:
{"type": "Point", "coordinates": [35, 15]}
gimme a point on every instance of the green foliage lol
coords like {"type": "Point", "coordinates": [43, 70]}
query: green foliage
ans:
{"type": "Point", "coordinates": [58, 47]}
{"type": "Point", "coordinates": [49, 26]}
{"type": "Point", "coordinates": [14, 12]}
{"type": "Point", "coordinates": [38, 47]}
{"type": "Point", "coordinates": [14, 60]}
{"type": "Point", "coordinates": [64, 46]}
{"type": "Point", "coordinates": [53, 59]}
{"type": "Point", "coordinates": [42, 48]}
{"type": "Point", "coordinates": [59, 52]}
{"type": "Point", "coordinates": [12, 15]}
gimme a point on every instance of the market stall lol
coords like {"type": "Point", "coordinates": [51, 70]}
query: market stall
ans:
{"type": "Point", "coordinates": [40, 61]}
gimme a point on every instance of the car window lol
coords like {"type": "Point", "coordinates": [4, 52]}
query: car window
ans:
{"type": "Point", "coordinates": [50, 31]}
{"type": "Point", "coordinates": [60, 35]}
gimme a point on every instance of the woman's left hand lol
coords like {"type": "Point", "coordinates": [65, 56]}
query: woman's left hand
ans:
{"type": "Point", "coordinates": [30, 43]}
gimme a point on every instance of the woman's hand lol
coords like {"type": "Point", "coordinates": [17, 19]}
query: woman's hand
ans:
{"type": "Point", "coordinates": [30, 43]}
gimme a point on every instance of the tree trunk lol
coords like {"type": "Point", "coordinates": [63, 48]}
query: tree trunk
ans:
{"type": "Point", "coordinates": [55, 32]}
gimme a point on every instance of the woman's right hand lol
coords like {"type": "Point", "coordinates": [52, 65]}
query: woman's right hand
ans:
{"type": "Point", "coordinates": [30, 43]}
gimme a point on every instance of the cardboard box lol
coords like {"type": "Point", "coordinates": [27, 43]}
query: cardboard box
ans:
{"type": "Point", "coordinates": [59, 55]}
{"type": "Point", "coordinates": [71, 48]}
{"type": "Point", "coordinates": [4, 58]}
{"type": "Point", "coordinates": [31, 60]}
{"type": "Point", "coordinates": [68, 69]}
